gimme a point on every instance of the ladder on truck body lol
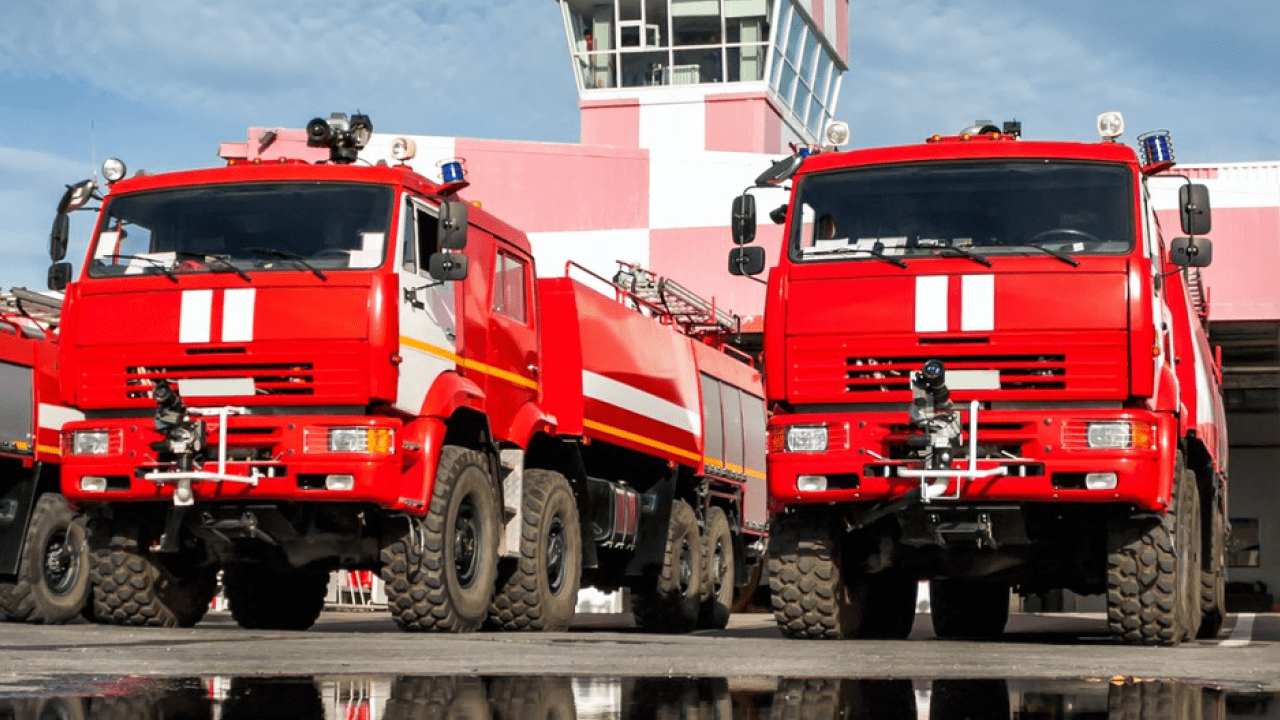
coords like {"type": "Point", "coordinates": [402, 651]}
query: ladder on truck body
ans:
{"type": "Point", "coordinates": [42, 311]}
{"type": "Point", "coordinates": [674, 304]}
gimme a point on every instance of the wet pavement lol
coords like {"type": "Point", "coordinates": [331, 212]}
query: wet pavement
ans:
{"type": "Point", "coordinates": [359, 666]}
{"type": "Point", "coordinates": [630, 698]}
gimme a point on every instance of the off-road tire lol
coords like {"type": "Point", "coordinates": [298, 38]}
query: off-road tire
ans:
{"type": "Point", "coordinates": [808, 590]}
{"type": "Point", "coordinates": [135, 587]}
{"type": "Point", "coordinates": [953, 699]}
{"type": "Point", "coordinates": [539, 590]}
{"type": "Point", "coordinates": [719, 571]}
{"type": "Point", "coordinates": [963, 608]}
{"type": "Point", "coordinates": [53, 575]}
{"type": "Point", "coordinates": [263, 598]}
{"type": "Point", "coordinates": [1213, 590]}
{"type": "Point", "coordinates": [440, 572]}
{"type": "Point", "coordinates": [672, 603]}
{"type": "Point", "coordinates": [269, 697]}
{"type": "Point", "coordinates": [890, 607]}
{"type": "Point", "coordinates": [1151, 570]}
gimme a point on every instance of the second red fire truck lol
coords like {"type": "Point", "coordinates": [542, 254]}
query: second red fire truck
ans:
{"type": "Point", "coordinates": [987, 367]}
{"type": "Point", "coordinates": [288, 368]}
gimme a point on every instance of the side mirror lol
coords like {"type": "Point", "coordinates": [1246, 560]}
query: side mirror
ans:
{"type": "Point", "coordinates": [1191, 252]}
{"type": "Point", "coordinates": [1194, 201]}
{"type": "Point", "coordinates": [58, 237]}
{"type": "Point", "coordinates": [447, 266]}
{"type": "Point", "coordinates": [76, 196]}
{"type": "Point", "coordinates": [453, 225]}
{"type": "Point", "coordinates": [744, 219]}
{"type": "Point", "coordinates": [746, 260]}
{"type": "Point", "coordinates": [779, 214]}
{"type": "Point", "coordinates": [59, 276]}
{"type": "Point", "coordinates": [780, 171]}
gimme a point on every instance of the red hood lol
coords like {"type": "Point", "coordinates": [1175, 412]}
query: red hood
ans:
{"type": "Point", "coordinates": [1025, 330]}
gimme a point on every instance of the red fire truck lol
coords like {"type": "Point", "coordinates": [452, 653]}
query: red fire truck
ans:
{"type": "Point", "coordinates": [987, 367]}
{"type": "Point", "coordinates": [288, 368]}
{"type": "Point", "coordinates": [43, 573]}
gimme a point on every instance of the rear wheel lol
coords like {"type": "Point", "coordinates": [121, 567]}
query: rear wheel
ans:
{"type": "Point", "coordinates": [968, 608]}
{"type": "Point", "coordinates": [440, 573]}
{"type": "Point", "coordinates": [718, 541]}
{"type": "Point", "coordinates": [263, 598]}
{"type": "Point", "coordinates": [1213, 592]}
{"type": "Point", "coordinates": [672, 603]}
{"type": "Point", "coordinates": [540, 590]}
{"type": "Point", "coordinates": [53, 576]}
{"type": "Point", "coordinates": [891, 605]}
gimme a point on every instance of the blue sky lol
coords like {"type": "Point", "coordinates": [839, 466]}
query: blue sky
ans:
{"type": "Point", "coordinates": [160, 84]}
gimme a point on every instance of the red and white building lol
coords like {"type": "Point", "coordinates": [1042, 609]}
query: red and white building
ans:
{"type": "Point", "coordinates": [685, 102]}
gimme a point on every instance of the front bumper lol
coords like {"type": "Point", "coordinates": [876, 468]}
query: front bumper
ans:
{"type": "Point", "coordinates": [1029, 456]}
{"type": "Point", "coordinates": [266, 458]}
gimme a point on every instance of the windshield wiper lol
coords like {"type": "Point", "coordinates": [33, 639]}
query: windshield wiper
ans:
{"type": "Point", "coordinates": [847, 249]}
{"type": "Point", "coordinates": [1061, 256]}
{"type": "Point", "coordinates": [220, 260]}
{"type": "Point", "coordinates": [286, 255]}
{"type": "Point", "coordinates": [157, 264]}
{"type": "Point", "coordinates": [980, 259]}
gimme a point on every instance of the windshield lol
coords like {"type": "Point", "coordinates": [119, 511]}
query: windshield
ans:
{"type": "Point", "coordinates": [310, 227]}
{"type": "Point", "coordinates": [975, 209]}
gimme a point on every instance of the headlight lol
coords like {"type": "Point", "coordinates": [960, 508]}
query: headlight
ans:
{"type": "Point", "coordinates": [1109, 435]}
{"type": "Point", "coordinates": [377, 440]}
{"type": "Point", "coordinates": [807, 438]}
{"type": "Point", "coordinates": [92, 442]}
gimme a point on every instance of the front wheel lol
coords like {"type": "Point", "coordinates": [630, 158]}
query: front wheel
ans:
{"type": "Point", "coordinates": [132, 586]}
{"type": "Point", "coordinates": [1153, 572]}
{"type": "Point", "coordinates": [53, 576]}
{"type": "Point", "coordinates": [809, 587]}
{"type": "Point", "coordinates": [672, 603]}
{"type": "Point", "coordinates": [440, 572]}
{"type": "Point", "coordinates": [540, 590]}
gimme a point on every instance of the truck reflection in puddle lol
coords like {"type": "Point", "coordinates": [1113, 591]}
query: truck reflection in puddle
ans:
{"type": "Point", "coordinates": [642, 698]}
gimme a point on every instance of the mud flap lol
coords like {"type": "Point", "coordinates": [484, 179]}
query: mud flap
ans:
{"type": "Point", "coordinates": [17, 499]}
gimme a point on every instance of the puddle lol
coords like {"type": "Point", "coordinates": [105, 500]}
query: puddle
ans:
{"type": "Point", "coordinates": [630, 698]}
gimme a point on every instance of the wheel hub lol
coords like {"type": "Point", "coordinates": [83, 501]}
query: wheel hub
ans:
{"type": "Point", "coordinates": [465, 542]}
{"type": "Point", "coordinates": [59, 563]}
{"type": "Point", "coordinates": [555, 556]}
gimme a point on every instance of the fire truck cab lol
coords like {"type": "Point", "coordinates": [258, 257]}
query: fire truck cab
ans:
{"type": "Point", "coordinates": [985, 370]}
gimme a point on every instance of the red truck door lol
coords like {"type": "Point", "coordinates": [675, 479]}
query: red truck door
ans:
{"type": "Point", "coordinates": [512, 351]}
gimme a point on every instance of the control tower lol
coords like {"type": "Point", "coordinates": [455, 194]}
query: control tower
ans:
{"type": "Point", "coordinates": [719, 75]}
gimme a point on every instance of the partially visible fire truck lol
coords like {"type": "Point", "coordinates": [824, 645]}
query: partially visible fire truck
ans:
{"type": "Point", "coordinates": [43, 573]}
{"type": "Point", "coordinates": [987, 367]}
{"type": "Point", "coordinates": [288, 368]}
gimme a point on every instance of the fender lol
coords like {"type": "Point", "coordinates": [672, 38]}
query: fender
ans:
{"type": "Point", "coordinates": [529, 420]}
{"type": "Point", "coordinates": [420, 444]}
{"type": "Point", "coordinates": [449, 392]}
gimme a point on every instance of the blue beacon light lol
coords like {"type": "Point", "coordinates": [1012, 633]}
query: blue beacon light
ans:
{"type": "Point", "coordinates": [1157, 151]}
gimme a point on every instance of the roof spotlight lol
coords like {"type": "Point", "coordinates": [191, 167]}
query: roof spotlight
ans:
{"type": "Point", "coordinates": [404, 149]}
{"type": "Point", "coordinates": [836, 133]}
{"type": "Point", "coordinates": [113, 169]}
{"type": "Point", "coordinates": [1110, 125]}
